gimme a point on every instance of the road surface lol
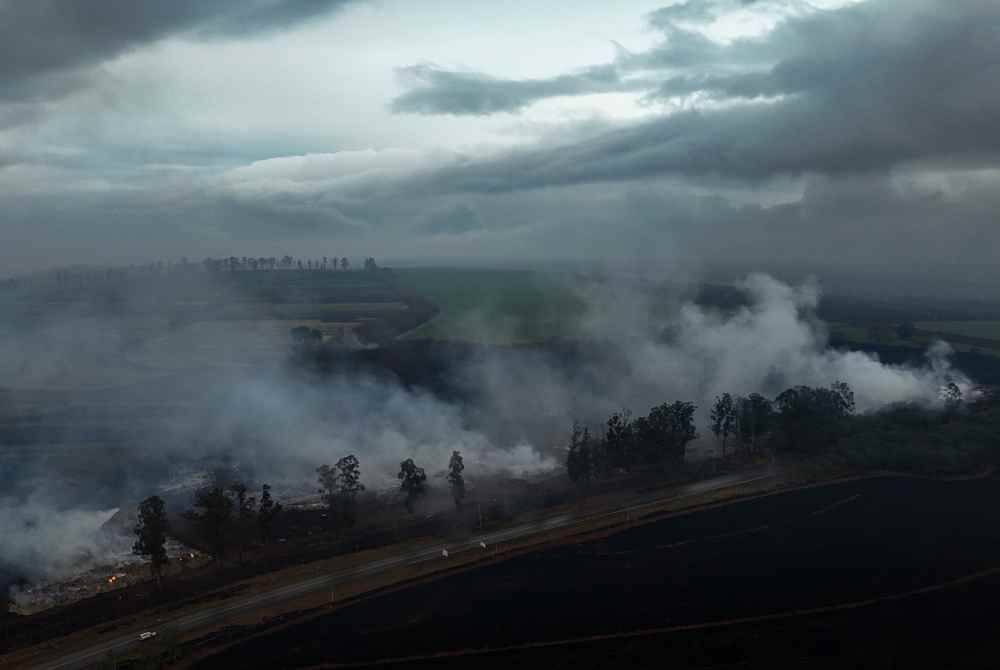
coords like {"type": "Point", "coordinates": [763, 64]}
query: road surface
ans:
{"type": "Point", "coordinates": [123, 643]}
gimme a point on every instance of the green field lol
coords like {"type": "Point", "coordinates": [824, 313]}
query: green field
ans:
{"type": "Point", "coordinates": [967, 336]}
{"type": "Point", "coordinates": [494, 306]}
{"type": "Point", "coordinates": [985, 330]}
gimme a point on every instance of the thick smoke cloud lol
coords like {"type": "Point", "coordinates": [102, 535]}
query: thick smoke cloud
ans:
{"type": "Point", "coordinates": [42, 541]}
{"type": "Point", "coordinates": [217, 401]}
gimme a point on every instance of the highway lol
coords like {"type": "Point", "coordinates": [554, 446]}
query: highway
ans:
{"type": "Point", "coordinates": [125, 642]}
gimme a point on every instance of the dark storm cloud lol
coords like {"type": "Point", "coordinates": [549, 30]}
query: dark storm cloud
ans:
{"type": "Point", "coordinates": [44, 36]}
{"type": "Point", "coordinates": [862, 88]}
{"type": "Point", "coordinates": [439, 91]}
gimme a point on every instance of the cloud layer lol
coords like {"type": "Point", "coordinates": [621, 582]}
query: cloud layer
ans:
{"type": "Point", "coordinates": [761, 133]}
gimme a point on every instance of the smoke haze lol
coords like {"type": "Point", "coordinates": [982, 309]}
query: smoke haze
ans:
{"type": "Point", "coordinates": [175, 415]}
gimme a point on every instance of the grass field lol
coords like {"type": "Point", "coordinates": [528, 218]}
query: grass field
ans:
{"type": "Point", "coordinates": [523, 307]}
{"type": "Point", "coordinates": [965, 336]}
{"type": "Point", "coordinates": [494, 306]}
{"type": "Point", "coordinates": [986, 330]}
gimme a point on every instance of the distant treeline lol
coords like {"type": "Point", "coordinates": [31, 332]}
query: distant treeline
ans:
{"type": "Point", "coordinates": [185, 266]}
{"type": "Point", "coordinates": [960, 436]}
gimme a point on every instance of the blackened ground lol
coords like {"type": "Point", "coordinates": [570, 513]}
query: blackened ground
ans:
{"type": "Point", "coordinates": [819, 547]}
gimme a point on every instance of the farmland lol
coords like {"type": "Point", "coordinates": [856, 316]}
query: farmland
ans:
{"type": "Point", "coordinates": [494, 306]}
{"type": "Point", "coordinates": [781, 577]}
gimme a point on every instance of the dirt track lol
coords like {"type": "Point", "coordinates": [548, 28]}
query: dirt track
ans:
{"type": "Point", "coordinates": [813, 548]}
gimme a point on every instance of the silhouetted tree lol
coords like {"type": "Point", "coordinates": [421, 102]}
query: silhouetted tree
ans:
{"type": "Point", "coordinates": [348, 487]}
{"type": "Point", "coordinates": [245, 518]}
{"type": "Point", "coordinates": [723, 419]}
{"type": "Point", "coordinates": [753, 419]}
{"type": "Point", "coordinates": [618, 440]}
{"type": "Point", "coordinates": [579, 456]}
{"type": "Point", "coordinates": [328, 485]}
{"type": "Point", "coordinates": [456, 479]}
{"type": "Point", "coordinates": [814, 418]}
{"type": "Point", "coordinates": [213, 517]}
{"type": "Point", "coordinates": [413, 482]}
{"type": "Point", "coordinates": [267, 512]}
{"type": "Point", "coordinates": [344, 263]}
{"type": "Point", "coordinates": [151, 535]}
{"type": "Point", "coordinates": [667, 431]}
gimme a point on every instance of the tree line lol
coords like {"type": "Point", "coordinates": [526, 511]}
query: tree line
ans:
{"type": "Point", "coordinates": [85, 274]}
{"type": "Point", "coordinates": [229, 518]}
{"type": "Point", "coordinates": [800, 415]}
{"type": "Point", "coordinates": [800, 419]}
{"type": "Point", "coordinates": [225, 517]}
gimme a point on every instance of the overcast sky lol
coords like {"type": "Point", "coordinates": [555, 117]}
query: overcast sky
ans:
{"type": "Point", "coordinates": [829, 133]}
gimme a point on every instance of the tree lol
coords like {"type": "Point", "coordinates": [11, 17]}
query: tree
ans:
{"type": "Point", "coordinates": [753, 419]}
{"type": "Point", "coordinates": [267, 511]}
{"type": "Point", "coordinates": [662, 436]}
{"type": "Point", "coordinates": [845, 397]}
{"type": "Point", "coordinates": [580, 456]}
{"type": "Point", "coordinates": [151, 535]}
{"type": "Point", "coordinates": [413, 482]}
{"type": "Point", "coordinates": [574, 465]}
{"type": "Point", "coordinates": [348, 487]}
{"type": "Point", "coordinates": [213, 517]}
{"type": "Point", "coordinates": [456, 479]}
{"type": "Point", "coordinates": [246, 516]}
{"type": "Point", "coordinates": [723, 419]}
{"type": "Point", "coordinates": [344, 263]}
{"type": "Point", "coordinates": [618, 440]}
{"type": "Point", "coordinates": [339, 487]}
{"type": "Point", "coordinates": [328, 481]}
{"type": "Point", "coordinates": [814, 418]}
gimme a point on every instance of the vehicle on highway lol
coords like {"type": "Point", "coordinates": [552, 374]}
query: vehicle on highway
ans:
{"type": "Point", "coordinates": [148, 635]}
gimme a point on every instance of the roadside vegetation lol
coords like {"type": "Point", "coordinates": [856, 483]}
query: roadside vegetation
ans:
{"type": "Point", "coordinates": [815, 424]}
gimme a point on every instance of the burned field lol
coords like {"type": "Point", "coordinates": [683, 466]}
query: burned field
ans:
{"type": "Point", "coordinates": [856, 551]}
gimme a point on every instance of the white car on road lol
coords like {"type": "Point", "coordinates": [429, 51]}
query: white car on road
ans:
{"type": "Point", "coordinates": [148, 635]}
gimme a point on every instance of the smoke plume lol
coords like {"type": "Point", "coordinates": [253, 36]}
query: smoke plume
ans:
{"type": "Point", "coordinates": [226, 399]}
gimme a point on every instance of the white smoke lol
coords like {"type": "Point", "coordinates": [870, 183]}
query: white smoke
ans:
{"type": "Point", "coordinates": [694, 353]}
{"type": "Point", "coordinates": [279, 428]}
{"type": "Point", "coordinates": [776, 342]}
{"type": "Point", "coordinates": [46, 542]}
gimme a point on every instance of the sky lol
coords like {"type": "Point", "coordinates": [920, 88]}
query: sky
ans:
{"type": "Point", "coordinates": [842, 136]}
